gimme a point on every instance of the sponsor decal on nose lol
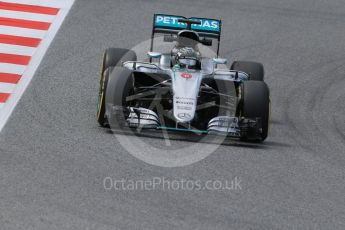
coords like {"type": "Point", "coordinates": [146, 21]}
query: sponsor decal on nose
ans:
{"type": "Point", "coordinates": [184, 116]}
{"type": "Point", "coordinates": [186, 75]}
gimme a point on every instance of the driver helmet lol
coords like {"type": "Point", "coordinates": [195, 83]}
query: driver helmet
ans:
{"type": "Point", "coordinates": [187, 57]}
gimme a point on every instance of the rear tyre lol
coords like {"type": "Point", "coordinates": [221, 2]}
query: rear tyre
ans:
{"type": "Point", "coordinates": [256, 104]}
{"type": "Point", "coordinates": [254, 69]}
{"type": "Point", "coordinates": [112, 57]}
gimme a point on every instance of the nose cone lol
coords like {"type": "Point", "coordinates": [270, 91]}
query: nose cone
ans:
{"type": "Point", "coordinates": [186, 87]}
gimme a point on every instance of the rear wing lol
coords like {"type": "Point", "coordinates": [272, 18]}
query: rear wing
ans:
{"type": "Point", "coordinates": [168, 24]}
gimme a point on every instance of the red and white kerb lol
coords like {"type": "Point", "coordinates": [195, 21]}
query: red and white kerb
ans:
{"type": "Point", "coordinates": [27, 27]}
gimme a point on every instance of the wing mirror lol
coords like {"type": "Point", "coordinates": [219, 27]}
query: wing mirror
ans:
{"type": "Point", "coordinates": [206, 42]}
{"type": "Point", "coordinates": [154, 54]}
{"type": "Point", "coordinates": [169, 38]}
{"type": "Point", "coordinates": [220, 60]}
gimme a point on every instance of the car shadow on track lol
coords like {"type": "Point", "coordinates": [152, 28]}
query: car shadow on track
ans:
{"type": "Point", "coordinates": [206, 139]}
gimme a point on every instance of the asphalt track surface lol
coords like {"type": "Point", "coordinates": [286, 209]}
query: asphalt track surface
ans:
{"type": "Point", "coordinates": [54, 156]}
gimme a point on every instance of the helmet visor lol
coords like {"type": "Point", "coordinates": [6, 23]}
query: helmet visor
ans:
{"type": "Point", "coordinates": [187, 61]}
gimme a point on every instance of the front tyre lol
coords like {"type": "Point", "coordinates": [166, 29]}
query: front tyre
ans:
{"type": "Point", "coordinates": [102, 120]}
{"type": "Point", "coordinates": [112, 57]}
{"type": "Point", "coordinates": [256, 104]}
{"type": "Point", "coordinates": [120, 85]}
{"type": "Point", "coordinates": [255, 70]}
{"type": "Point", "coordinates": [116, 56]}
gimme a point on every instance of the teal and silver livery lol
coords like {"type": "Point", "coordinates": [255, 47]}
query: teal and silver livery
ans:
{"type": "Point", "coordinates": [184, 90]}
{"type": "Point", "coordinates": [172, 22]}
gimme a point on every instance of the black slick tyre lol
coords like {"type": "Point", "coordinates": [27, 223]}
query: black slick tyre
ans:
{"type": "Point", "coordinates": [255, 103]}
{"type": "Point", "coordinates": [254, 69]}
{"type": "Point", "coordinates": [112, 57]}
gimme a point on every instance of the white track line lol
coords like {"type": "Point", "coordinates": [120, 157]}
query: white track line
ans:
{"type": "Point", "coordinates": [57, 4]}
{"type": "Point", "coordinates": [7, 87]}
{"type": "Point", "coordinates": [2, 105]}
{"type": "Point", "coordinates": [14, 49]}
{"type": "Point", "coordinates": [16, 31]}
{"type": "Point", "coordinates": [27, 16]}
{"type": "Point", "coordinates": [12, 68]}
{"type": "Point", "coordinates": [28, 73]}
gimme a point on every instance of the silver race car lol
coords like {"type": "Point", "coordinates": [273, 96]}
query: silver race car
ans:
{"type": "Point", "coordinates": [183, 91]}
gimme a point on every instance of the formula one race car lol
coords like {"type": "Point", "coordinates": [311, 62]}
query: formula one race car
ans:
{"type": "Point", "coordinates": [183, 91]}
